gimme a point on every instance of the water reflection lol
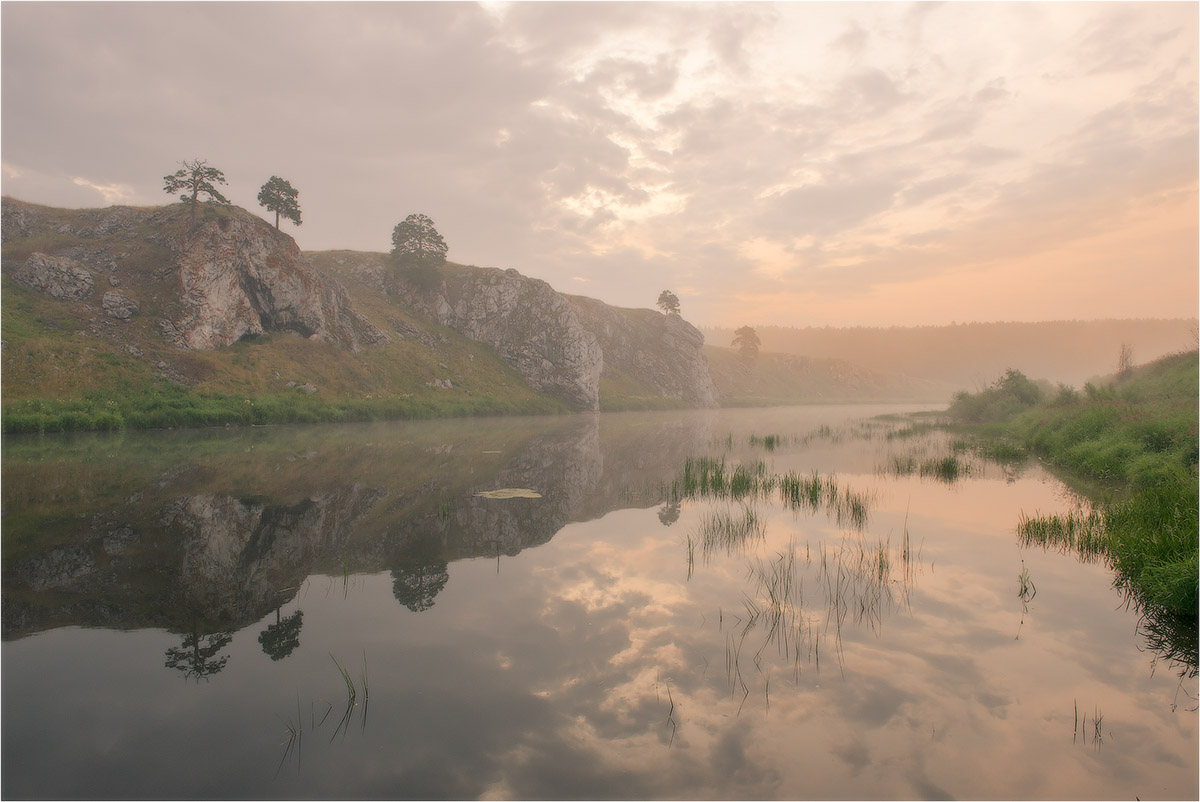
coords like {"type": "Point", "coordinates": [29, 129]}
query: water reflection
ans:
{"type": "Point", "coordinates": [419, 573]}
{"type": "Point", "coordinates": [281, 638]}
{"type": "Point", "coordinates": [197, 655]}
{"type": "Point", "coordinates": [552, 646]}
{"type": "Point", "coordinates": [213, 532]}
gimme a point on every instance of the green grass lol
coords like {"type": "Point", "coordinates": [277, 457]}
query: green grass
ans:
{"type": "Point", "coordinates": [166, 406]}
{"type": "Point", "coordinates": [1136, 439]}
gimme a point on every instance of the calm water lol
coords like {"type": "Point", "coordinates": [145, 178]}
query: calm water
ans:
{"type": "Point", "coordinates": [334, 612]}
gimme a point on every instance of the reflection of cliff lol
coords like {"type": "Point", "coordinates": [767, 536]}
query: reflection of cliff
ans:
{"type": "Point", "coordinates": [173, 550]}
{"type": "Point", "coordinates": [206, 562]}
{"type": "Point", "coordinates": [238, 555]}
{"type": "Point", "coordinates": [562, 466]}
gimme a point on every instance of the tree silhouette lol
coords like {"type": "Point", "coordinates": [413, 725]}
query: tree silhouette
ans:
{"type": "Point", "coordinates": [746, 341]}
{"type": "Point", "coordinates": [418, 248]}
{"type": "Point", "coordinates": [669, 513]}
{"type": "Point", "coordinates": [196, 656]}
{"type": "Point", "coordinates": [279, 196]}
{"type": "Point", "coordinates": [420, 574]}
{"type": "Point", "coordinates": [281, 638]}
{"type": "Point", "coordinates": [194, 179]}
{"type": "Point", "coordinates": [668, 302]}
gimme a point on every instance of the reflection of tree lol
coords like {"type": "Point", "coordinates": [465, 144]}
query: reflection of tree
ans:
{"type": "Point", "coordinates": [281, 638]}
{"type": "Point", "coordinates": [195, 656]}
{"type": "Point", "coordinates": [419, 574]}
{"type": "Point", "coordinates": [669, 513]}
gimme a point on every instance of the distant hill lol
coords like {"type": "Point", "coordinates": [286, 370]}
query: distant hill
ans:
{"type": "Point", "coordinates": [777, 379]}
{"type": "Point", "coordinates": [971, 355]}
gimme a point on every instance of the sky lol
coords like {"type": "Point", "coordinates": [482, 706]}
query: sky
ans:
{"type": "Point", "coordinates": [792, 164]}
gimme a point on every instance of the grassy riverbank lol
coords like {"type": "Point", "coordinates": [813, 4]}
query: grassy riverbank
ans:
{"type": "Point", "coordinates": [1134, 440]}
{"type": "Point", "coordinates": [165, 406]}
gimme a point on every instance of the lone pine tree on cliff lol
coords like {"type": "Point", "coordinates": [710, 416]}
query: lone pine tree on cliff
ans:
{"type": "Point", "coordinates": [668, 302]}
{"type": "Point", "coordinates": [195, 178]}
{"type": "Point", "coordinates": [279, 196]}
{"type": "Point", "coordinates": [418, 248]}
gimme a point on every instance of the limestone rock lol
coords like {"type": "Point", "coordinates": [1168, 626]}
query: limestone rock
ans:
{"type": "Point", "coordinates": [527, 323]}
{"type": "Point", "coordinates": [661, 352]}
{"type": "Point", "coordinates": [242, 277]}
{"type": "Point", "coordinates": [237, 275]}
{"type": "Point", "coordinates": [122, 307]}
{"type": "Point", "coordinates": [60, 278]}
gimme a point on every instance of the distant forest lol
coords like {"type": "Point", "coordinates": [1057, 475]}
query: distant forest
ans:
{"type": "Point", "coordinates": [971, 355]}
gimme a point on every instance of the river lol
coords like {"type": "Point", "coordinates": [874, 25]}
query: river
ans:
{"type": "Point", "coordinates": [351, 611]}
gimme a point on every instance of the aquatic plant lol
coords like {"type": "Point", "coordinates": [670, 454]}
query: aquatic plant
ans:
{"type": "Point", "coordinates": [1074, 532]}
{"type": "Point", "coordinates": [769, 442]}
{"type": "Point", "coordinates": [947, 469]}
{"type": "Point", "coordinates": [814, 492]}
{"type": "Point", "coordinates": [1026, 590]}
{"type": "Point", "coordinates": [731, 532]}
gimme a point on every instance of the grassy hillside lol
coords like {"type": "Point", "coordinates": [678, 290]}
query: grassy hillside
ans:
{"type": "Point", "coordinates": [1135, 436]}
{"type": "Point", "coordinates": [777, 379]}
{"type": "Point", "coordinates": [67, 367]}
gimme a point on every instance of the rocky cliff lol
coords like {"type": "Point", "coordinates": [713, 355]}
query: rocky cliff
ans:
{"type": "Point", "coordinates": [531, 327]}
{"type": "Point", "coordinates": [561, 345]}
{"type": "Point", "coordinates": [158, 283]}
{"type": "Point", "coordinates": [659, 352]}
{"type": "Point", "coordinates": [226, 274]}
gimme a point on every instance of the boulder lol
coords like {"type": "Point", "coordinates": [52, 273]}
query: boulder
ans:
{"type": "Point", "coordinates": [57, 277]}
{"type": "Point", "coordinates": [122, 307]}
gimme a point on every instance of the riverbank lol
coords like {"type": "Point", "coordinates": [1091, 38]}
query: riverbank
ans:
{"type": "Point", "coordinates": [1133, 439]}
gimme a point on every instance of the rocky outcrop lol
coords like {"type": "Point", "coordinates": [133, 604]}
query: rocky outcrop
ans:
{"type": "Point", "coordinates": [60, 278]}
{"type": "Point", "coordinates": [527, 323]}
{"type": "Point", "coordinates": [660, 352]}
{"type": "Point", "coordinates": [118, 305]}
{"type": "Point", "coordinates": [241, 277]}
{"type": "Point", "coordinates": [561, 345]}
{"type": "Point", "coordinates": [237, 275]}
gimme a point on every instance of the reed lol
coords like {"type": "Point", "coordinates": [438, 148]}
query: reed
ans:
{"type": "Point", "coordinates": [1072, 532]}
{"type": "Point", "coordinates": [726, 530]}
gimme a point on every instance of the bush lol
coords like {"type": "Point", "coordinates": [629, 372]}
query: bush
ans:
{"type": "Point", "coordinates": [1008, 396]}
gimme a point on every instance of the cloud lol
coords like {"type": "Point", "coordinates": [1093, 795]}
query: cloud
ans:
{"type": "Point", "coordinates": [644, 143]}
{"type": "Point", "coordinates": [110, 193]}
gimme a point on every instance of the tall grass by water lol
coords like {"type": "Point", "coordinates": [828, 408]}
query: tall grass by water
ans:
{"type": "Point", "coordinates": [712, 478]}
{"type": "Point", "coordinates": [169, 407]}
{"type": "Point", "coordinates": [1136, 436]}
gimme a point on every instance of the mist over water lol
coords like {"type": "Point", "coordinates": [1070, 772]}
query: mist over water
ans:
{"type": "Point", "coordinates": [739, 604]}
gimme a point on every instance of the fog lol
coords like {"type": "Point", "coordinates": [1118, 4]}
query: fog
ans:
{"type": "Point", "coordinates": [791, 164]}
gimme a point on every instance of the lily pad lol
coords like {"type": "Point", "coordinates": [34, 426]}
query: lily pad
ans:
{"type": "Point", "coordinates": [510, 492]}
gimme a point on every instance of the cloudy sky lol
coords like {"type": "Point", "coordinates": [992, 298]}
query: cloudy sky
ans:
{"type": "Point", "coordinates": [792, 164]}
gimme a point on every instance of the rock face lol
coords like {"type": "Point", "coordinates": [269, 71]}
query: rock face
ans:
{"type": "Point", "coordinates": [531, 327]}
{"type": "Point", "coordinates": [60, 278]}
{"type": "Point", "coordinates": [237, 275]}
{"type": "Point", "coordinates": [242, 277]}
{"type": "Point", "coordinates": [562, 344]}
{"type": "Point", "coordinates": [661, 352]}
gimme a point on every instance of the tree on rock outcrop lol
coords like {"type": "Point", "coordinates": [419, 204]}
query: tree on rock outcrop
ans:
{"type": "Point", "coordinates": [418, 248]}
{"type": "Point", "coordinates": [279, 196]}
{"type": "Point", "coordinates": [746, 341]}
{"type": "Point", "coordinates": [668, 302]}
{"type": "Point", "coordinates": [195, 178]}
